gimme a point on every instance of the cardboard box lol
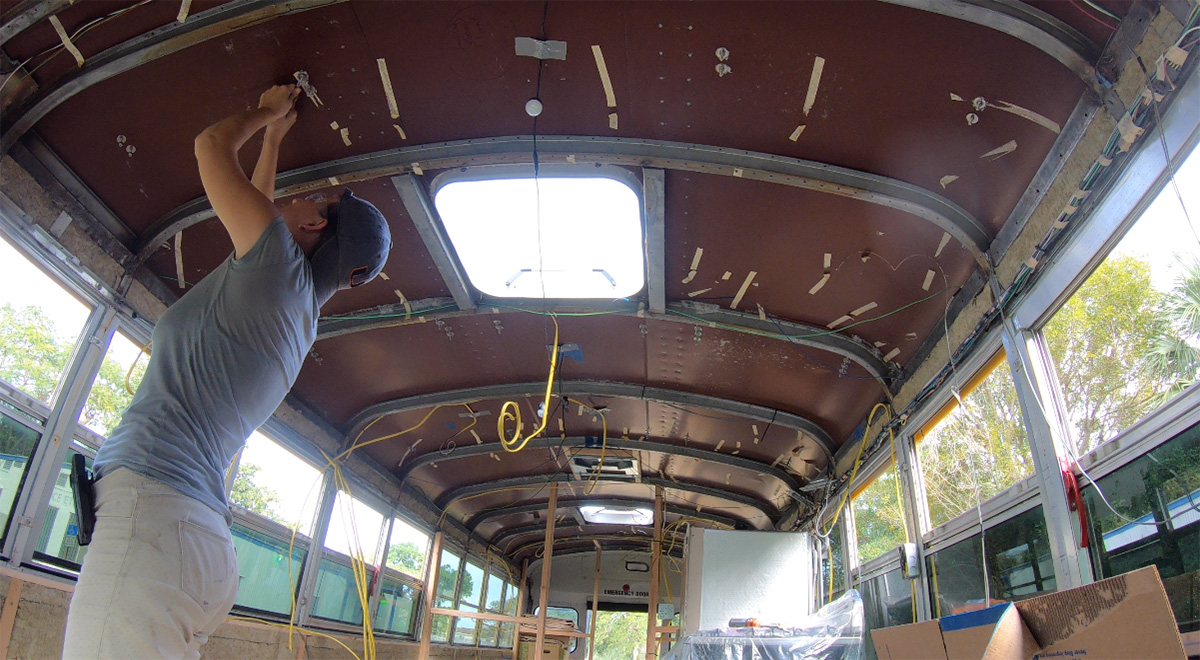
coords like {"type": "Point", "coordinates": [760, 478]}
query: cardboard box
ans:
{"type": "Point", "coordinates": [552, 649]}
{"type": "Point", "coordinates": [1126, 617]}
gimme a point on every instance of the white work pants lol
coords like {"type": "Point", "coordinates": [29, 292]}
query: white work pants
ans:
{"type": "Point", "coordinates": [158, 578]}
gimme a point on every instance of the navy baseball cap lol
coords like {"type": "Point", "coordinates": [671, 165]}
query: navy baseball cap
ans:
{"type": "Point", "coordinates": [357, 251]}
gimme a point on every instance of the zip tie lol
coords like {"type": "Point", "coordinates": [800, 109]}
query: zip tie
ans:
{"type": "Point", "coordinates": [609, 97]}
{"type": "Point", "coordinates": [387, 89]}
{"type": "Point", "coordinates": [184, 8]}
{"type": "Point", "coordinates": [66, 40]}
{"type": "Point", "coordinates": [1104, 161]}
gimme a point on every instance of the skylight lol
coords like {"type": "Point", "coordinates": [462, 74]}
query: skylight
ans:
{"type": "Point", "coordinates": [589, 244]}
{"type": "Point", "coordinates": [616, 515]}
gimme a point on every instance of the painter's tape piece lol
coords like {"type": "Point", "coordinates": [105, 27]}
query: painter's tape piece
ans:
{"type": "Point", "coordinates": [928, 280]}
{"type": "Point", "coordinates": [696, 258]}
{"type": "Point", "coordinates": [693, 294]}
{"type": "Point", "coordinates": [609, 97]}
{"type": "Point", "coordinates": [1060, 224]}
{"type": "Point", "coordinates": [612, 121]}
{"type": "Point", "coordinates": [400, 295]}
{"type": "Point", "coordinates": [345, 132]}
{"type": "Point", "coordinates": [762, 313]}
{"type": "Point", "coordinates": [387, 88]}
{"type": "Point", "coordinates": [864, 309]}
{"type": "Point", "coordinates": [690, 276]}
{"type": "Point", "coordinates": [179, 259]}
{"type": "Point", "coordinates": [1031, 263]}
{"type": "Point", "coordinates": [813, 83]}
{"type": "Point", "coordinates": [738, 172]}
{"type": "Point", "coordinates": [828, 260]}
{"type": "Point", "coordinates": [383, 276]}
{"type": "Point", "coordinates": [719, 445]}
{"type": "Point", "coordinates": [948, 179]}
{"type": "Point", "coordinates": [1129, 131]}
{"type": "Point", "coordinates": [561, 426]}
{"type": "Point", "coordinates": [334, 125]}
{"type": "Point", "coordinates": [399, 130]}
{"type": "Point", "coordinates": [955, 97]}
{"type": "Point", "coordinates": [820, 283]}
{"type": "Point", "coordinates": [796, 133]}
{"type": "Point", "coordinates": [1104, 161]}
{"type": "Point", "coordinates": [416, 168]}
{"type": "Point", "coordinates": [66, 40]}
{"type": "Point", "coordinates": [542, 50]}
{"type": "Point", "coordinates": [742, 291]}
{"type": "Point", "coordinates": [184, 8]}
{"type": "Point", "coordinates": [891, 354]}
{"type": "Point", "coordinates": [942, 245]}
{"type": "Point", "coordinates": [333, 180]}
{"type": "Point", "coordinates": [1025, 113]}
{"type": "Point", "coordinates": [495, 457]}
{"type": "Point", "coordinates": [60, 224]}
{"type": "Point", "coordinates": [839, 321]}
{"type": "Point", "coordinates": [726, 275]}
{"type": "Point", "coordinates": [880, 344]}
{"type": "Point", "coordinates": [478, 440]}
{"type": "Point", "coordinates": [1001, 151]}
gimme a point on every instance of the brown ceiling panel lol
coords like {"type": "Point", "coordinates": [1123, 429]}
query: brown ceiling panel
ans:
{"type": "Point", "coordinates": [455, 76]}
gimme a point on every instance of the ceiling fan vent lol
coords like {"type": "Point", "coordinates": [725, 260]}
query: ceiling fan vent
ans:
{"type": "Point", "coordinates": [586, 464]}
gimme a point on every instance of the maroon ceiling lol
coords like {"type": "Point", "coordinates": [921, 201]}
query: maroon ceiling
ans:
{"type": "Point", "coordinates": [884, 106]}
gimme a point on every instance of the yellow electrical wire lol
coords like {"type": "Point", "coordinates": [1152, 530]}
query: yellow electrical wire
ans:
{"type": "Point", "coordinates": [290, 628]}
{"type": "Point", "coordinates": [587, 490]}
{"type": "Point", "coordinates": [511, 411]}
{"type": "Point", "coordinates": [129, 374]}
{"type": "Point", "coordinates": [862, 445]}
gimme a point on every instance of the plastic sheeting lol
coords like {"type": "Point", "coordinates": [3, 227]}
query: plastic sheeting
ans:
{"type": "Point", "coordinates": [835, 632]}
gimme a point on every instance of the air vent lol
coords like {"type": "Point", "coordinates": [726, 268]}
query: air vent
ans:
{"type": "Point", "coordinates": [622, 467]}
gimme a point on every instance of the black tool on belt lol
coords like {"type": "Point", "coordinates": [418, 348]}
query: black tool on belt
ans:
{"type": "Point", "coordinates": [85, 498]}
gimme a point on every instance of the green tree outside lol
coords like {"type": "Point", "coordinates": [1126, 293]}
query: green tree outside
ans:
{"type": "Point", "coordinates": [406, 558]}
{"type": "Point", "coordinates": [254, 498]}
{"type": "Point", "coordinates": [620, 635]}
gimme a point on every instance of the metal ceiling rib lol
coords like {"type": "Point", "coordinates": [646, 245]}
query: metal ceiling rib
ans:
{"type": "Point", "coordinates": [685, 312]}
{"type": "Point", "coordinates": [420, 208]}
{"type": "Point", "coordinates": [750, 411]}
{"type": "Point", "coordinates": [28, 13]}
{"type": "Point", "coordinates": [507, 536]}
{"type": "Point", "coordinates": [469, 451]}
{"type": "Point", "coordinates": [473, 522]}
{"type": "Point", "coordinates": [449, 498]}
{"type": "Point", "coordinates": [150, 46]}
{"type": "Point", "coordinates": [809, 175]}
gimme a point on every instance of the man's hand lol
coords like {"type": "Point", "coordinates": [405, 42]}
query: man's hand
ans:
{"type": "Point", "coordinates": [279, 100]}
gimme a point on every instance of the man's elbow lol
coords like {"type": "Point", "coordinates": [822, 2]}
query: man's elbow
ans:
{"type": "Point", "coordinates": [206, 143]}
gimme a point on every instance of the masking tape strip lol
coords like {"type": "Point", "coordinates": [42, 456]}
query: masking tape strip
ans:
{"type": "Point", "coordinates": [387, 88]}
{"type": "Point", "coordinates": [1001, 151]}
{"type": "Point", "coordinates": [346, 136]}
{"type": "Point", "coordinates": [928, 280]}
{"type": "Point", "coordinates": [742, 291]}
{"type": "Point", "coordinates": [880, 344]}
{"type": "Point", "coordinates": [1025, 113]}
{"type": "Point", "coordinates": [796, 133]}
{"type": "Point", "coordinates": [1060, 224]}
{"type": "Point", "coordinates": [1031, 262]}
{"type": "Point", "coordinates": [738, 172]}
{"type": "Point", "coordinates": [604, 79]}
{"type": "Point", "coordinates": [66, 40]}
{"type": "Point", "coordinates": [1129, 130]}
{"type": "Point", "coordinates": [571, 158]}
{"type": "Point", "coordinates": [1104, 161]}
{"type": "Point", "coordinates": [612, 121]}
{"type": "Point", "coordinates": [813, 83]}
{"type": "Point", "coordinates": [179, 260]}
{"type": "Point", "coordinates": [828, 260]}
{"type": "Point", "coordinates": [727, 275]}
{"type": "Point", "coordinates": [1081, 194]}
{"type": "Point", "coordinates": [817, 287]}
{"type": "Point", "coordinates": [333, 180]}
{"type": "Point", "coordinates": [693, 294]}
{"type": "Point", "coordinates": [184, 8]}
{"type": "Point", "coordinates": [839, 321]}
{"type": "Point", "coordinates": [864, 309]}
{"type": "Point", "coordinates": [690, 276]}
{"type": "Point", "coordinates": [891, 354]}
{"type": "Point", "coordinates": [1069, 209]}
{"type": "Point", "coordinates": [416, 168]}
{"type": "Point", "coordinates": [478, 440]}
{"type": "Point", "coordinates": [696, 258]}
{"type": "Point", "coordinates": [947, 180]}
{"type": "Point", "coordinates": [762, 313]}
{"type": "Point", "coordinates": [942, 245]}
{"type": "Point", "coordinates": [719, 445]}
{"type": "Point", "coordinates": [400, 131]}
{"type": "Point", "coordinates": [754, 427]}
{"type": "Point", "coordinates": [495, 457]}
{"type": "Point", "coordinates": [333, 125]}
{"type": "Point", "coordinates": [383, 276]}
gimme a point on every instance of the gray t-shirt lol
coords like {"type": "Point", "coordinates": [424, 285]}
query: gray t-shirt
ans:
{"type": "Point", "coordinates": [224, 356]}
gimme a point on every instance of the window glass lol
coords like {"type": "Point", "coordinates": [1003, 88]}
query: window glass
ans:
{"type": "Point", "coordinates": [336, 596]}
{"type": "Point", "coordinates": [266, 581]}
{"type": "Point", "coordinates": [39, 325]}
{"type": "Point", "coordinates": [978, 449]}
{"type": "Point", "coordinates": [447, 583]}
{"type": "Point", "coordinates": [17, 442]}
{"type": "Point", "coordinates": [280, 486]}
{"type": "Point", "coordinates": [472, 586]}
{"type": "Point", "coordinates": [354, 527]}
{"type": "Point", "coordinates": [878, 518]}
{"type": "Point", "coordinates": [520, 237]}
{"type": "Point", "coordinates": [568, 613]}
{"type": "Point", "coordinates": [887, 601]}
{"type": "Point", "coordinates": [112, 390]}
{"type": "Point", "coordinates": [407, 548]}
{"type": "Point", "coordinates": [621, 635]}
{"type": "Point", "coordinates": [832, 552]}
{"type": "Point", "coordinates": [1129, 339]}
{"type": "Point", "coordinates": [57, 538]}
{"type": "Point", "coordinates": [1018, 566]}
{"type": "Point", "coordinates": [1157, 521]}
{"type": "Point", "coordinates": [512, 596]}
{"type": "Point", "coordinates": [397, 606]}
{"type": "Point", "coordinates": [489, 633]}
{"type": "Point", "coordinates": [464, 629]}
{"type": "Point", "coordinates": [495, 593]}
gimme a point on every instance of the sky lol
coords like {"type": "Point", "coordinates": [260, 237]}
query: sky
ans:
{"type": "Point", "coordinates": [1161, 236]}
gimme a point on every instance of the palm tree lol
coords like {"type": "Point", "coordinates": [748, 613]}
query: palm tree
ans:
{"type": "Point", "coordinates": [1175, 355]}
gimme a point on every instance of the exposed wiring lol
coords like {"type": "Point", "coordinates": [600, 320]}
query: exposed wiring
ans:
{"type": "Point", "coordinates": [306, 631]}
{"type": "Point", "coordinates": [510, 411]}
{"type": "Point", "coordinates": [129, 374]}
{"type": "Point", "coordinates": [1089, 14]}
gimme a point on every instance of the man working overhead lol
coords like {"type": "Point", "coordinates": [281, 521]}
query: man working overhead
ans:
{"type": "Point", "coordinates": [161, 574]}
